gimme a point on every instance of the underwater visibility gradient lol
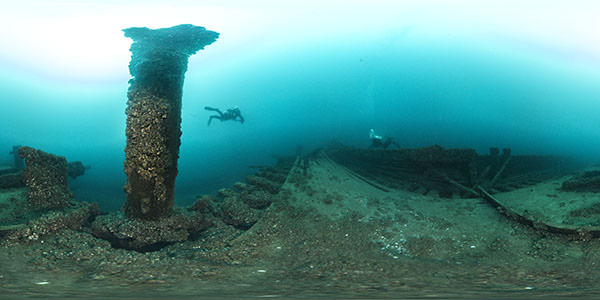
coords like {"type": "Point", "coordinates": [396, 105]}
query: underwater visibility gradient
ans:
{"type": "Point", "coordinates": [490, 108]}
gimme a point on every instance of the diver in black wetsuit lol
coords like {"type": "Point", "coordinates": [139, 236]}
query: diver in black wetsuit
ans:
{"type": "Point", "coordinates": [378, 142]}
{"type": "Point", "coordinates": [231, 114]}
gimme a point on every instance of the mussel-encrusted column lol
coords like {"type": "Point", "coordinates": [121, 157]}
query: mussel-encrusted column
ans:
{"type": "Point", "coordinates": [46, 179]}
{"type": "Point", "coordinates": [158, 63]}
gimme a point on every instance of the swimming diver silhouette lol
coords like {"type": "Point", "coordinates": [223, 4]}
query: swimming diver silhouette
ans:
{"type": "Point", "coordinates": [233, 113]}
{"type": "Point", "coordinates": [377, 141]}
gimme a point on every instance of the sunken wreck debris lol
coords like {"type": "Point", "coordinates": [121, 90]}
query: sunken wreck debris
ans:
{"type": "Point", "coordinates": [11, 180]}
{"type": "Point", "coordinates": [244, 205]}
{"type": "Point", "coordinates": [74, 217]}
{"type": "Point", "coordinates": [585, 182]}
{"type": "Point", "coordinates": [76, 169]}
{"type": "Point", "coordinates": [158, 64]}
{"type": "Point", "coordinates": [149, 235]}
{"type": "Point", "coordinates": [13, 177]}
{"type": "Point", "coordinates": [450, 172]}
{"type": "Point", "coordinates": [418, 170]}
{"type": "Point", "coordinates": [18, 161]}
{"type": "Point", "coordinates": [240, 207]}
{"type": "Point", "coordinates": [159, 61]}
{"type": "Point", "coordinates": [46, 207]}
{"type": "Point", "coordinates": [45, 175]}
{"type": "Point", "coordinates": [144, 235]}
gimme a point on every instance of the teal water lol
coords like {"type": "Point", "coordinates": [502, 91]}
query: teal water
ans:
{"type": "Point", "coordinates": [304, 74]}
{"type": "Point", "coordinates": [420, 92]}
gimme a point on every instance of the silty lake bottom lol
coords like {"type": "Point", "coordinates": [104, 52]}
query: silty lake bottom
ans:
{"type": "Point", "coordinates": [339, 222]}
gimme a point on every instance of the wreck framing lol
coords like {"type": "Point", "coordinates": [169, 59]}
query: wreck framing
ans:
{"type": "Point", "coordinates": [158, 64]}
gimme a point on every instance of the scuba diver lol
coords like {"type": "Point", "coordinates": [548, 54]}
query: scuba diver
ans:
{"type": "Point", "coordinates": [378, 142]}
{"type": "Point", "coordinates": [231, 114]}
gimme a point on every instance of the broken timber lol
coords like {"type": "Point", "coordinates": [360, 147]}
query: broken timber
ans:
{"type": "Point", "coordinates": [449, 172]}
{"type": "Point", "coordinates": [593, 231]}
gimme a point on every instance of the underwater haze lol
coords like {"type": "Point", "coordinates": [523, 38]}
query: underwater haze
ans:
{"type": "Point", "coordinates": [466, 74]}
